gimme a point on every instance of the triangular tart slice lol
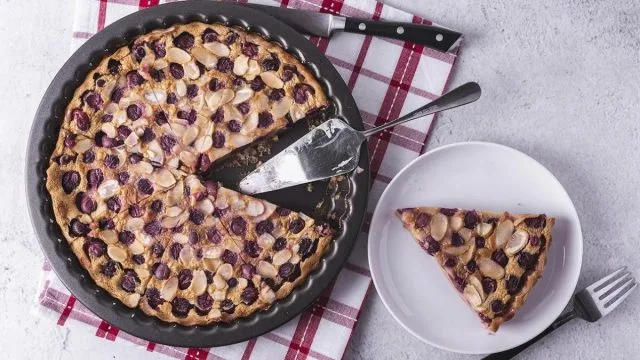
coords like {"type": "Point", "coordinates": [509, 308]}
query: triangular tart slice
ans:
{"type": "Point", "coordinates": [493, 259]}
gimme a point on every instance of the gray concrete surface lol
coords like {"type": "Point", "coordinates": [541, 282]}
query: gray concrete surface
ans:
{"type": "Point", "coordinates": [561, 82]}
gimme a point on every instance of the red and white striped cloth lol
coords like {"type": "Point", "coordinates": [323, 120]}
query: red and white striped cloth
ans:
{"type": "Point", "coordinates": [387, 78]}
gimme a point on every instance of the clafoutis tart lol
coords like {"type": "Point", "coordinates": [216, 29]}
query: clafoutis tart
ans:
{"type": "Point", "coordinates": [124, 175]}
{"type": "Point", "coordinates": [492, 259]}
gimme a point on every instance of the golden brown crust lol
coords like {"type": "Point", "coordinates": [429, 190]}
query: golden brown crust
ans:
{"type": "Point", "coordinates": [493, 259]}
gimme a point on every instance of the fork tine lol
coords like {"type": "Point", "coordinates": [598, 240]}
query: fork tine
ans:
{"type": "Point", "coordinates": [620, 296]}
{"type": "Point", "coordinates": [602, 282]}
{"type": "Point", "coordinates": [616, 283]}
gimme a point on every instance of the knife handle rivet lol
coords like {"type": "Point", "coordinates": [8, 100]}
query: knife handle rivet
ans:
{"type": "Point", "coordinates": [400, 30]}
{"type": "Point", "coordinates": [362, 26]}
{"type": "Point", "coordinates": [439, 37]}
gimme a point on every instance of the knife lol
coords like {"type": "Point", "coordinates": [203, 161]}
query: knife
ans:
{"type": "Point", "coordinates": [333, 148]}
{"type": "Point", "coordinates": [323, 24]}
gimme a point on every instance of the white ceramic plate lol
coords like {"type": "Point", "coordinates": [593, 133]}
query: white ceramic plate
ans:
{"type": "Point", "coordinates": [471, 175]}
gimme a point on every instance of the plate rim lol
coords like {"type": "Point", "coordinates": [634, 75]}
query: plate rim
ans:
{"type": "Point", "coordinates": [46, 124]}
{"type": "Point", "coordinates": [370, 245]}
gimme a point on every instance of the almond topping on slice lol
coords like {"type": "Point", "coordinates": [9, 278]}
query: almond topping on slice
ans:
{"type": "Point", "coordinates": [465, 233]}
{"type": "Point", "coordinates": [132, 300]}
{"type": "Point", "coordinates": [203, 143]}
{"type": "Point", "coordinates": [205, 57]}
{"type": "Point", "coordinates": [471, 294]}
{"type": "Point", "coordinates": [219, 282]}
{"type": "Point", "coordinates": [266, 269]}
{"type": "Point", "coordinates": [219, 49]}
{"type": "Point", "coordinates": [478, 285]}
{"type": "Point", "coordinates": [169, 289]}
{"type": "Point", "coordinates": [199, 282]}
{"type": "Point", "coordinates": [226, 271]}
{"type": "Point", "coordinates": [188, 158]}
{"type": "Point", "coordinates": [272, 80]}
{"type": "Point", "coordinates": [266, 241]}
{"type": "Point", "coordinates": [109, 236]}
{"type": "Point", "coordinates": [180, 238]}
{"type": "Point", "coordinates": [242, 95]}
{"type": "Point", "coordinates": [242, 283]}
{"type": "Point", "coordinates": [142, 167]}
{"type": "Point", "coordinates": [178, 55]}
{"type": "Point", "coordinates": [241, 65]}
{"type": "Point", "coordinates": [219, 295]}
{"type": "Point", "coordinates": [136, 248]}
{"type": "Point", "coordinates": [517, 242]}
{"type": "Point", "coordinates": [186, 254]}
{"type": "Point", "coordinates": [267, 295]}
{"type": "Point", "coordinates": [484, 229]}
{"type": "Point", "coordinates": [191, 70]}
{"type": "Point", "coordinates": [109, 129]}
{"type": "Point", "coordinates": [181, 87]}
{"type": "Point", "coordinates": [455, 250]}
{"type": "Point", "coordinates": [173, 211]}
{"type": "Point", "coordinates": [295, 259]}
{"type": "Point", "coordinates": [134, 224]}
{"type": "Point", "coordinates": [254, 208]}
{"type": "Point", "coordinates": [190, 135]}
{"type": "Point", "coordinates": [108, 188]}
{"type": "Point", "coordinates": [504, 230]}
{"type": "Point", "coordinates": [254, 69]}
{"type": "Point", "coordinates": [116, 253]}
{"type": "Point", "coordinates": [212, 264]}
{"type": "Point", "coordinates": [83, 145]}
{"type": "Point", "coordinates": [164, 178]}
{"type": "Point", "coordinates": [438, 226]}
{"type": "Point", "coordinates": [206, 206]}
{"type": "Point", "coordinates": [155, 96]}
{"type": "Point", "coordinates": [456, 223]}
{"type": "Point", "coordinates": [281, 257]}
{"type": "Point", "coordinates": [491, 268]}
{"type": "Point", "coordinates": [213, 252]}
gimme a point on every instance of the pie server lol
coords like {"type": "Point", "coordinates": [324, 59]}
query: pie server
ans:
{"type": "Point", "coordinates": [323, 24]}
{"type": "Point", "coordinates": [333, 148]}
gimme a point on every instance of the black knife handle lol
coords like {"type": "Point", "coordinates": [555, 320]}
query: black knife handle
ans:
{"type": "Point", "coordinates": [430, 36]}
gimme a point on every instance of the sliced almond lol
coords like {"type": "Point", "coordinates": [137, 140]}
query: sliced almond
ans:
{"type": "Point", "coordinates": [116, 253]}
{"type": "Point", "coordinates": [199, 282]}
{"type": "Point", "coordinates": [281, 108]}
{"type": "Point", "coordinates": [471, 294]}
{"type": "Point", "coordinates": [188, 158]}
{"type": "Point", "coordinates": [191, 70]}
{"type": "Point", "coordinates": [295, 259]}
{"type": "Point", "coordinates": [239, 140]}
{"type": "Point", "coordinates": [174, 211]}
{"type": "Point", "coordinates": [173, 163]}
{"type": "Point", "coordinates": [178, 55]}
{"type": "Point", "coordinates": [109, 129]}
{"type": "Point", "coordinates": [219, 282]}
{"type": "Point", "coordinates": [221, 202]}
{"type": "Point", "coordinates": [455, 250]}
{"type": "Point", "coordinates": [456, 223]}
{"type": "Point", "coordinates": [164, 178]}
{"type": "Point", "coordinates": [155, 153]}
{"type": "Point", "coordinates": [226, 271]}
{"type": "Point", "coordinates": [254, 208]}
{"type": "Point", "coordinates": [473, 281]}
{"type": "Point", "coordinates": [467, 256]}
{"type": "Point", "coordinates": [175, 195]}
{"type": "Point", "coordinates": [108, 188]}
{"type": "Point", "coordinates": [190, 135]}
{"type": "Point", "coordinates": [250, 125]}
{"type": "Point", "coordinates": [266, 241]}
{"type": "Point", "coordinates": [206, 206]}
{"type": "Point", "coordinates": [131, 140]}
{"type": "Point", "coordinates": [254, 69]}
{"type": "Point", "coordinates": [241, 65]}
{"type": "Point", "coordinates": [142, 167]}
{"type": "Point", "coordinates": [484, 229]}
{"type": "Point", "coordinates": [160, 64]}
{"type": "Point", "coordinates": [180, 238]}
{"type": "Point", "coordinates": [490, 268]}
{"type": "Point", "coordinates": [136, 248]}
{"type": "Point", "coordinates": [219, 49]}
{"type": "Point", "coordinates": [517, 242]}
{"type": "Point", "coordinates": [465, 233]}
{"type": "Point", "coordinates": [282, 257]}
{"type": "Point", "coordinates": [272, 80]}
{"type": "Point", "coordinates": [155, 96]}
{"type": "Point", "coordinates": [242, 95]}
{"type": "Point", "coordinates": [203, 143]}
{"type": "Point", "coordinates": [186, 254]}
{"type": "Point", "coordinates": [267, 295]}
{"type": "Point", "coordinates": [169, 289]}
{"type": "Point", "coordinates": [504, 230]}
{"type": "Point", "coordinates": [438, 226]}
{"type": "Point", "coordinates": [296, 113]}
{"type": "Point", "coordinates": [181, 87]}
{"type": "Point", "coordinates": [219, 98]}
{"type": "Point", "coordinates": [242, 283]}
{"type": "Point", "coordinates": [205, 57]}
{"type": "Point", "coordinates": [146, 239]}
{"type": "Point", "coordinates": [109, 236]}
{"type": "Point", "coordinates": [143, 273]}
{"type": "Point", "coordinates": [134, 224]}
{"type": "Point", "coordinates": [132, 300]}
{"type": "Point", "coordinates": [266, 270]}
{"type": "Point", "coordinates": [219, 295]}
{"type": "Point", "coordinates": [212, 264]}
{"type": "Point", "coordinates": [83, 145]}
{"type": "Point", "coordinates": [213, 252]}
{"type": "Point", "coordinates": [169, 222]}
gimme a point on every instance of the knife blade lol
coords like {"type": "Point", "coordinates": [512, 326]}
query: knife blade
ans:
{"type": "Point", "coordinates": [323, 24]}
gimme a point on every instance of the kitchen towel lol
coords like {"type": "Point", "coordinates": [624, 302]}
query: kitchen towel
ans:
{"type": "Point", "coordinates": [387, 78]}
